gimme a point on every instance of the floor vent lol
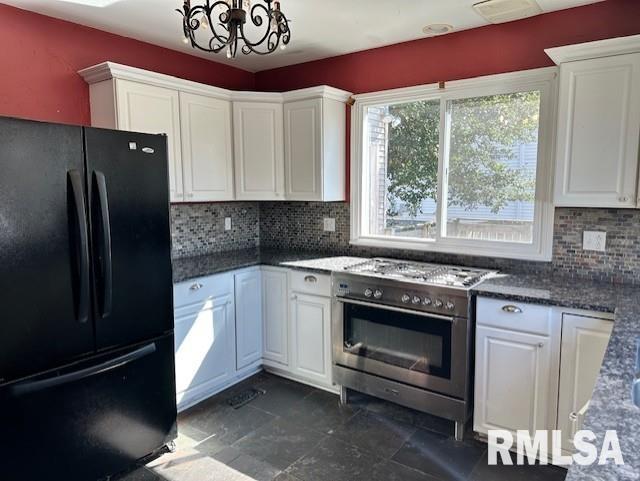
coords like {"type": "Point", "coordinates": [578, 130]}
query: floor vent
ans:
{"type": "Point", "coordinates": [500, 11]}
{"type": "Point", "coordinates": [244, 397]}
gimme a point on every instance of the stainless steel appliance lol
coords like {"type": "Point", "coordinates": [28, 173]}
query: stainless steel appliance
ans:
{"type": "Point", "coordinates": [402, 332]}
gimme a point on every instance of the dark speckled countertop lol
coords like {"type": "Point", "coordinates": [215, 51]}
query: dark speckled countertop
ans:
{"type": "Point", "coordinates": [611, 406]}
{"type": "Point", "coordinates": [321, 262]}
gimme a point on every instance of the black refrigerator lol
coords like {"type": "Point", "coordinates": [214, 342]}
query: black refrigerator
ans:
{"type": "Point", "coordinates": [87, 384]}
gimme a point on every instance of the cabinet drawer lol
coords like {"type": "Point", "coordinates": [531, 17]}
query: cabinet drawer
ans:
{"type": "Point", "coordinates": [515, 316]}
{"type": "Point", "coordinates": [201, 288]}
{"type": "Point", "coordinates": [310, 282]}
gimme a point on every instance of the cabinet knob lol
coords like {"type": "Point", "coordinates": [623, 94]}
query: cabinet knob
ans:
{"type": "Point", "coordinates": [195, 286]}
{"type": "Point", "coordinates": [512, 309]}
{"type": "Point", "coordinates": [541, 344]}
{"type": "Point", "coordinates": [293, 297]}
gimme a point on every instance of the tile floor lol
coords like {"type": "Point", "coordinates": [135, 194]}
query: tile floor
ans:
{"type": "Point", "coordinates": [297, 433]}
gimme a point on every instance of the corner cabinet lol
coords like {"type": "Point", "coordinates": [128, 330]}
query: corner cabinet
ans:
{"type": "Point", "coordinates": [598, 134]}
{"type": "Point", "coordinates": [314, 148]}
{"type": "Point", "coordinates": [275, 302]}
{"type": "Point", "coordinates": [259, 157]}
{"type": "Point", "coordinates": [248, 296]}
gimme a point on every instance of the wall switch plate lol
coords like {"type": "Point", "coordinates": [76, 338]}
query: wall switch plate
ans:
{"type": "Point", "coordinates": [227, 223]}
{"type": "Point", "coordinates": [594, 241]}
{"type": "Point", "coordinates": [329, 224]}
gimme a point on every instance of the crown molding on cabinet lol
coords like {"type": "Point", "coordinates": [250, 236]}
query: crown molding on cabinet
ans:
{"type": "Point", "coordinates": [599, 48]}
{"type": "Point", "coordinates": [110, 70]}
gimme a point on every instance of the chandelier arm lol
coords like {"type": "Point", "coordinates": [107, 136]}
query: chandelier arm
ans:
{"type": "Point", "coordinates": [191, 24]}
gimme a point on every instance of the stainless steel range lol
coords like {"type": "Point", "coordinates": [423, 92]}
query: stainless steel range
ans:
{"type": "Point", "coordinates": [401, 332]}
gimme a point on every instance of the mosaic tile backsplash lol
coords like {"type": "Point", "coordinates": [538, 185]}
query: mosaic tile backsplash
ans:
{"type": "Point", "coordinates": [198, 229]}
{"type": "Point", "coordinates": [299, 225]}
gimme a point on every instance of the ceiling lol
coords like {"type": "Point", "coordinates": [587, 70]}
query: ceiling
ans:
{"type": "Point", "coordinates": [319, 28]}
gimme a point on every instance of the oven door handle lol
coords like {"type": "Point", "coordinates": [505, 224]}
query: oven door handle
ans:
{"type": "Point", "coordinates": [395, 309]}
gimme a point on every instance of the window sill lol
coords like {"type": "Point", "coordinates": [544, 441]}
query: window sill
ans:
{"type": "Point", "coordinates": [461, 247]}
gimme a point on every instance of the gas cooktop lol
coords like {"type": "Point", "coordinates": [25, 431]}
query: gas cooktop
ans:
{"type": "Point", "coordinates": [422, 273]}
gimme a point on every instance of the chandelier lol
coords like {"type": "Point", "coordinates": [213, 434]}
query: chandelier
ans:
{"type": "Point", "coordinates": [217, 25]}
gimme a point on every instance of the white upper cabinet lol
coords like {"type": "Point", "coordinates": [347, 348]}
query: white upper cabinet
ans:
{"type": "Point", "coordinates": [207, 153]}
{"type": "Point", "coordinates": [153, 110]}
{"type": "Point", "coordinates": [314, 148]}
{"type": "Point", "coordinates": [598, 124]}
{"type": "Point", "coordinates": [259, 157]}
{"type": "Point", "coordinates": [218, 152]}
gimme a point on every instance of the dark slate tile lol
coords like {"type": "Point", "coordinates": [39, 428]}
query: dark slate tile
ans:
{"type": "Point", "coordinates": [501, 472]}
{"type": "Point", "coordinates": [280, 443]}
{"type": "Point", "coordinates": [280, 395]}
{"type": "Point", "coordinates": [256, 469]}
{"type": "Point", "coordinates": [333, 460]}
{"type": "Point", "coordinates": [226, 455]}
{"type": "Point", "coordinates": [321, 411]}
{"type": "Point", "coordinates": [379, 435]}
{"type": "Point", "coordinates": [190, 465]}
{"type": "Point", "coordinates": [392, 471]}
{"type": "Point", "coordinates": [440, 456]}
{"type": "Point", "coordinates": [140, 474]}
{"type": "Point", "coordinates": [284, 476]}
{"type": "Point", "coordinates": [210, 446]}
{"type": "Point", "coordinates": [228, 424]}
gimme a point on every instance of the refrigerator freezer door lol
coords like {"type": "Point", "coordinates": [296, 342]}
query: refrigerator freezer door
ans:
{"type": "Point", "coordinates": [44, 252]}
{"type": "Point", "coordinates": [129, 216]}
{"type": "Point", "coordinates": [91, 420]}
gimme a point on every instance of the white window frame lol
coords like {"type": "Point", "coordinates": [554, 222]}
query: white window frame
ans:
{"type": "Point", "coordinates": [543, 80]}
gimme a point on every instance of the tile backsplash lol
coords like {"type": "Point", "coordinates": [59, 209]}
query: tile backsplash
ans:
{"type": "Point", "coordinates": [198, 229]}
{"type": "Point", "coordinates": [299, 225]}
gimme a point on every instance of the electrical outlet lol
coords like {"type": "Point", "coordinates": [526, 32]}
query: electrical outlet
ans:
{"type": "Point", "coordinates": [227, 223]}
{"type": "Point", "coordinates": [329, 224]}
{"type": "Point", "coordinates": [594, 241]}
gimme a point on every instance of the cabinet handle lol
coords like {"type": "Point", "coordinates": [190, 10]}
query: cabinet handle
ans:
{"type": "Point", "coordinates": [541, 344]}
{"type": "Point", "coordinates": [512, 309]}
{"type": "Point", "coordinates": [311, 279]}
{"type": "Point", "coordinates": [195, 286]}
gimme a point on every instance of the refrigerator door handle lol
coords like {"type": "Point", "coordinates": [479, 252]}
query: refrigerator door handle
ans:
{"type": "Point", "coordinates": [28, 387]}
{"type": "Point", "coordinates": [76, 180]}
{"type": "Point", "coordinates": [105, 249]}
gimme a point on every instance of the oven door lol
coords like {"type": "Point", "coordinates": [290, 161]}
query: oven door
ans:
{"type": "Point", "coordinates": [428, 351]}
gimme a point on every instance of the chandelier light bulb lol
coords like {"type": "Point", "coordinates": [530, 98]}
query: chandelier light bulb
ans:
{"type": "Point", "coordinates": [283, 47]}
{"type": "Point", "coordinates": [185, 40]}
{"type": "Point", "coordinates": [204, 23]}
{"type": "Point", "coordinates": [229, 52]}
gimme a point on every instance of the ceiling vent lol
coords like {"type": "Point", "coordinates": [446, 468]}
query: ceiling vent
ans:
{"type": "Point", "coordinates": [500, 11]}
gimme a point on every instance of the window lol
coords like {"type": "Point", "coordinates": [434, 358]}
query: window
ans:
{"type": "Point", "coordinates": [465, 169]}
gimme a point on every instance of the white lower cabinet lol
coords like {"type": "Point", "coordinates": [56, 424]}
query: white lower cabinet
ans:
{"type": "Point", "coordinates": [512, 381]}
{"type": "Point", "coordinates": [584, 342]}
{"type": "Point", "coordinates": [536, 366]}
{"type": "Point", "coordinates": [248, 295]}
{"type": "Point", "coordinates": [311, 333]}
{"type": "Point", "coordinates": [227, 326]}
{"type": "Point", "coordinates": [204, 337]}
{"type": "Point", "coordinates": [275, 303]}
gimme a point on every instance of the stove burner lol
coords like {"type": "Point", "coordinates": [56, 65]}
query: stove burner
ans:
{"type": "Point", "coordinates": [435, 274]}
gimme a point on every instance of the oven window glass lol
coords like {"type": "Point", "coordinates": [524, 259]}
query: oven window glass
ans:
{"type": "Point", "coordinates": [414, 342]}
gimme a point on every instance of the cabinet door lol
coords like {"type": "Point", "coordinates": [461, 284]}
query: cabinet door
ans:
{"type": "Point", "coordinates": [207, 160]}
{"type": "Point", "coordinates": [248, 294]}
{"type": "Point", "coordinates": [598, 132]}
{"type": "Point", "coordinates": [512, 387]}
{"type": "Point", "coordinates": [258, 154]}
{"type": "Point", "coordinates": [303, 149]}
{"type": "Point", "coordinates": [310, 325]}
{"type": "Point", "coordinates": [274, 308]}
{"type": "Point", "coordinates": [584, 342]}
{"type": "Point", "coordinates": [154, 110]}
{"type": "Point", "coordinates": [204, 337]}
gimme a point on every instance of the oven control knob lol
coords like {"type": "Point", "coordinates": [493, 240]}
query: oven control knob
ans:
{"type": "Point", "coordinates": [427, 301]}
{"type": "Point", "coordinates": [368, 292]}
{"type": "Point", "coordinates": [438, 303]}
{"type": "Point", "coordinates": [377, 294]}
{"type": "Point", "coordinates": [405, 298]}
{"type": "Point", "coordinates": [416, 300]}
{"type": "Point", "coordinates": [449, 305]}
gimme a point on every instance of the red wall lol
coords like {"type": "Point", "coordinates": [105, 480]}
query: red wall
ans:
{"type": "Point", "coordinates": [40, 57]}
{"type": "Point", "coordinates": [481, 51]}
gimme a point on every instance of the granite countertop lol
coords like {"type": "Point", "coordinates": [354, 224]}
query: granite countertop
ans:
{"type": "Point", "coordinates": [320, 262]}
{"type": "Point", "coordinates": [611, 405]}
